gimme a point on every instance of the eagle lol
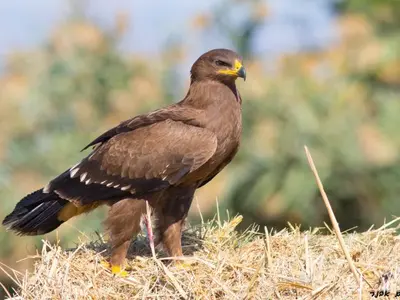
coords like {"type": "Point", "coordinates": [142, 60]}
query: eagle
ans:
{"type": "Point", "coordinates": [161, 157]}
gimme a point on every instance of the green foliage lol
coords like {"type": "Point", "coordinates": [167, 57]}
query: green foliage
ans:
{"type": "Point", "coordinates": [384, 14]}
{"type": "Point", "coordinates": [51, 134]}
{"type": "Point", "coordinates": [346, 114]}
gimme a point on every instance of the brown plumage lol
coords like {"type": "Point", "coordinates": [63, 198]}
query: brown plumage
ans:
{"type": "Point", "coordinates": [161, 157]}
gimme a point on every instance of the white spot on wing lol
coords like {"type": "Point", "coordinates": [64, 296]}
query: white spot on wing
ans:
{"type": "Point", "coordinates": [83, 176]}
{"type": "Point", "coordinates": [117, 185]}
{"type": "Point", "coordinates": [127, 187]}
{"type": "Point", "coordinates": [110, 184]}
{"type": "Point", "coordinates": [103, 182]}
{"type": "Point", "coordinates": [73, 172]}
{"type": "Point", "coordinates": [46, 189]}
{"type": "Point", "coordinates": [88, 181]}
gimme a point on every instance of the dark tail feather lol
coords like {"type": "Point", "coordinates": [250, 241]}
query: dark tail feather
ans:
{"type": "Point", "coordinates": [36, 214]}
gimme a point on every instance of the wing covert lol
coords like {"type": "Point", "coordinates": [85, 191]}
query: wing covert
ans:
{"type": "Point", "coordinates": [141, 161]}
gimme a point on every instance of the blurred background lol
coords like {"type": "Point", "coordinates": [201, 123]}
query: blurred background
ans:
{"type": "Point", "coordinates": [322, 73]}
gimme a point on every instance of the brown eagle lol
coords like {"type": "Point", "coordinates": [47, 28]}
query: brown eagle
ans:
{"type": "Point", "coordinates": [161, 157]}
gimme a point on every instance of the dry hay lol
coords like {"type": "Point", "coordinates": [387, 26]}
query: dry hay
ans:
{"type": "Point", "coordinates": [290, 264]}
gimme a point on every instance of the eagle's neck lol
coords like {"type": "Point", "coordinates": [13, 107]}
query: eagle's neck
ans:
{"type": "Point", "coordinates": [219, 109]}
{"type": "Point", "coordinates": [210, 93]}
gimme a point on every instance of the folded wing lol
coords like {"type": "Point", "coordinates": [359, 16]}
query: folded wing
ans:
{"type": "Point", "coordinates": [133, 163]}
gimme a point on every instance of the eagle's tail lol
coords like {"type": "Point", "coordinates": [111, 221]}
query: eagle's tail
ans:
{"type": "Point", "coordinates": [36, 214]}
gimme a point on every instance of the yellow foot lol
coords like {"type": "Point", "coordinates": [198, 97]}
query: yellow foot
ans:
{"type": "Point", "coordinates": [115, 270]}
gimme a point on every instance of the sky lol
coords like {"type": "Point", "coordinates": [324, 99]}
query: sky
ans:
{"type": "Point", "coordinates": [290, 27]}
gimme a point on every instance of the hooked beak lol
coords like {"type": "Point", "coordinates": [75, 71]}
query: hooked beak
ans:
{"type": "Point", "coordinates": [238, 70]}
{"type": "Point", "coordinates": [242, 73]}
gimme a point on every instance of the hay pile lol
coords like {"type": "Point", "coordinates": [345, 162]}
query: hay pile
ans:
{"type": "Point", "coordinates": [288, 264]}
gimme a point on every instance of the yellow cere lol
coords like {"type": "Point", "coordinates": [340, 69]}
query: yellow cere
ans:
{"type": "Point", "coordinates": [238, 65]}
{"type": "Point", "coordinates": [233, 71]}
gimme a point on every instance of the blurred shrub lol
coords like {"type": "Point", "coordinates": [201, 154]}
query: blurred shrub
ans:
{"type": "Point", "coordinates": [343, 103]}
{"type": "Point", "coordinates": [77, 81]}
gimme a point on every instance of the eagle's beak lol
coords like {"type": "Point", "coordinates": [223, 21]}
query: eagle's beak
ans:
{"type": "Point", "coordinates": [238, 70]}
{"type": "Point", "coordinates": [242, 73]}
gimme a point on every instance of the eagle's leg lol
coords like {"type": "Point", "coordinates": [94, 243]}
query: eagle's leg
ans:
{"type": "Point", "coordinates": [171, 216]}
{"type": "Point", "coordinates": [170, 234]}
{"type": "Point", "coordinates": [123, 223]}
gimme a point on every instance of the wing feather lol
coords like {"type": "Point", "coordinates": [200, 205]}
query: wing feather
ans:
{"type": "Point", "coordinates": [145, 160]}
{"type": "Point", "coordinates": [174, 112]}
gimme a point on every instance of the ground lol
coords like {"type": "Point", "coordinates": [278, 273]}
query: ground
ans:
{"type": "Point", "coordinates": [225, 264]}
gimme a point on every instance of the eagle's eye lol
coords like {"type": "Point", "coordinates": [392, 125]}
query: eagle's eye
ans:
{"type": "Point", "coordinates": [221, 63]}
